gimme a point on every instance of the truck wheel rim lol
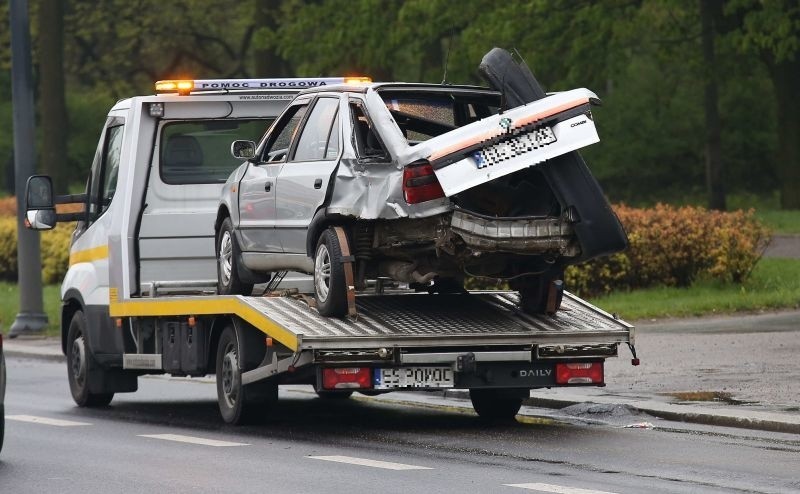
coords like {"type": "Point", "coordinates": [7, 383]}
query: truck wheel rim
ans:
{"type": "Point", "coordinates": [322, 273]}
{"type": "Point", "coordinates": [78, 361]}
{"type": "Point", "coordinates": [225, 257]}
{"type": "Point", "coordinates": [230, 376]}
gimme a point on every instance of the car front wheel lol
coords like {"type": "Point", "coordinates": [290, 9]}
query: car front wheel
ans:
{"type": "Point", "coordinates": [228, 281]}
{"type": "Point", "coordinates": [330, 289]}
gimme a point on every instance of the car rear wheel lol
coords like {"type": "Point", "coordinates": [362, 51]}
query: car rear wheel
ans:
{"type": "Point", "coordinates": [228, 253]}
{"type": "Point", "coordinates": [81, 366]}
{"type": "Point", "coordinates": [330, 289]}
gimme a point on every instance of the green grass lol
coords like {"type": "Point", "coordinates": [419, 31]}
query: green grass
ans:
{"type": "Point", "coordinates": [774, 284]}
{"type": "Point", "coordinates": [9, 307]}
{"type": "Point", "coordinates": [781, 222]}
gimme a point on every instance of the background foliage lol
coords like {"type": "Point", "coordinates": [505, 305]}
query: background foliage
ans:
{"type": "Point", "coordinates": [642, 57]}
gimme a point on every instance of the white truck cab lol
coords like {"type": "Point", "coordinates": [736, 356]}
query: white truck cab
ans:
{"type": "Point", "coordinates": [139, 297]}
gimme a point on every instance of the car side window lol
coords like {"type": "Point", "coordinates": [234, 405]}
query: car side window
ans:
{"type": "Point", "coordinates": [332, 151]}
{"type": "Point", "coordinates": [313, 142]}
{"type": "Point", "coordinates": [365, 139]}
{"type": "Point", "coordinates": [281, 137]}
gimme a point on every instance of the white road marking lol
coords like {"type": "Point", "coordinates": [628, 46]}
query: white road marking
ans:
{"type": "Point", "coordinates": [44, 420]}
{"type": "Point", "coordinates": [193, 440]}
{"type": "Point", "coordinates": [556, 489]}
{"type": "Point", "coordinates": [369, 463]}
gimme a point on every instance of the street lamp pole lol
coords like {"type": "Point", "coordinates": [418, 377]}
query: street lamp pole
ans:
{"type": "Point", "coordinates": [31, 318]}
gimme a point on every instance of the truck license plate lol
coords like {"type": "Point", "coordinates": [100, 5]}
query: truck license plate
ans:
{"type": "Point", "coordinates": [413, 377]}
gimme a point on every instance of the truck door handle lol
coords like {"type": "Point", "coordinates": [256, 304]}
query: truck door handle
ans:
{"type": "Point", "coordinates": [267, 186]}
{"type": "Point", "coordinates": [318, 183]}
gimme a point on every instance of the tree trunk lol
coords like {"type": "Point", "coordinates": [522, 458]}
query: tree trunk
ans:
{"type": "Point", "coordinates": [268, 62]}
{"type": "Point", "coordinates": [52, 109]}
{"type": "Point", "coordinates": [714, 165]}
{"type": "Point", "coordinates": [786, 80]}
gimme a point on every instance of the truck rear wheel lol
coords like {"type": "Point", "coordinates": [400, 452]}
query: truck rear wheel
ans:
{"type": "Point", "coordinates": [81, 365]}
{"type": "Point", "coordinates": [239, 404]}
{"type": "Point", "coordinates": [228, 281]}
{"type": "Point", "coordinates": [330, 289]}
{"type": "Point", "coordinates": [497, 404]}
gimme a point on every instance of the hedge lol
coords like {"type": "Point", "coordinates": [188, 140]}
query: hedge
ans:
{"type": "Point", "coordinates": [671, 246]}
{"type": "Point", "coordinates": [674, 246]}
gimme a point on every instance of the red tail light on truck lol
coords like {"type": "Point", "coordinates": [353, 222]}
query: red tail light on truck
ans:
{"type": "Point", "coordinates": [420, 183]}
{"type": "Point", "coordinates": [347, 378]}
{"type": "Point", "coordinates": [580, 373]}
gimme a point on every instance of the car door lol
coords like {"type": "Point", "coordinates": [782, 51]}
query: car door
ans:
{"type": "Point", "coordinates": [304, 179]}
{"type": "Point", "coordinates": [259, 184]}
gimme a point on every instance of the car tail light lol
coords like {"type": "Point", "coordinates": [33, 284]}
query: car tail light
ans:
{"type": "Point", "coordinates": [347, 378]}
{"type": "Point", "coordinates": [420, 183]}
{"type": "Point", "coordinates": [580, 373]}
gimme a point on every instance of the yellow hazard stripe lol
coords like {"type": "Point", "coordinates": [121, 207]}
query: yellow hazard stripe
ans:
{"type": "Point", "coordinates": [89, 255]}
{"type": "Point", "coordinates": [219, 305]}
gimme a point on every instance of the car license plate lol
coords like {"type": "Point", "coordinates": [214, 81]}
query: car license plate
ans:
{"type": "Point", "coordinates": [516, 146]}
{"type": "Point", "coordinates": [413, 377]}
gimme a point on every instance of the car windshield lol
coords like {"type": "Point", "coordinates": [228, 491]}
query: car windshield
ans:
{"type": "Point", "coordinates": [421, 115]}
{"type": "Point", "coordinates": [198, 152]}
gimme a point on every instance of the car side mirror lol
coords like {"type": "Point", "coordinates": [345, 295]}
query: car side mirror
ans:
{"type": "Point", "coordinates": [40, 211]}
{"type": "Point", "coordinates": [243, 150]}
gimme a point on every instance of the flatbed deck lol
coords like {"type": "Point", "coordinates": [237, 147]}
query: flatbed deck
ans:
{"type": "Point", "coordinates": [403, 319]}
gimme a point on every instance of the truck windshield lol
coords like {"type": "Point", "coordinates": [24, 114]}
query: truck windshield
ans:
{"type": "Point", "coordinates": [421, 115]}
{"type": "Point", "coordinates": [198, 152]}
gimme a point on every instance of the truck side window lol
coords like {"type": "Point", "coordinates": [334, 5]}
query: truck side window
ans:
{"type": "Point", "coordinates": [105, 170]}
{"type": "Point", "coordinates": [282, 135]}
{"type": "Point", "coordinates": [313, 142]}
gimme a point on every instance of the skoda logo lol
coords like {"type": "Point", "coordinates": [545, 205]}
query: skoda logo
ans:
{"type": "Point", "coordinates": [505, 122]}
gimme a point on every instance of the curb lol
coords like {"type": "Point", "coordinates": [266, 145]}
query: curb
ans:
{"type": "Point", "coordinates": [693, 417]}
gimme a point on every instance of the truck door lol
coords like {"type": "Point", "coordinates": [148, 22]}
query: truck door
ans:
{"type": "Point", "coordinates": [303, 181]}
{"type": "Point", "coordinates": [190, 163]}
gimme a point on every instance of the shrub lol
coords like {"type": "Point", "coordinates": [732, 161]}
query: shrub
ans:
{"type": "Point", "coordinates": [674, 246]}
{"type": "Point", "coordinates": [54, 247]}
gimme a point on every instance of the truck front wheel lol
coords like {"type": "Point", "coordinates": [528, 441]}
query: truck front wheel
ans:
{"type": "Point", "coordinates": [497, 404]}
{"type": "Point", "coordinates": [81, 365]}
{"type": "Point", "coordinates": [239, 404]}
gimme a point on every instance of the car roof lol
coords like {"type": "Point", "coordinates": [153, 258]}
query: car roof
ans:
{"type": "Point", "coordinates": [377, 86]}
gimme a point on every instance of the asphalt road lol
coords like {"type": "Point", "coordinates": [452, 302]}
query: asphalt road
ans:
{"type": "Point", "coordinates": [168, 438]}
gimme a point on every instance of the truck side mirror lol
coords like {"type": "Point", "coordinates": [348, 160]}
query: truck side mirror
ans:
{"type": "Point", "coordinates": [40, 211]}
{"type": "Point", "coordinates": [243, 150]}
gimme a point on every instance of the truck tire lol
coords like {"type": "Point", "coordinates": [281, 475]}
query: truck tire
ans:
{"type": "Point", "coordinates": [330, 289]}
{"type": "Point", "coordinates": [334, 395]}
{"type": "Point", "coordinates": [228, 253]}
{"type": "Point", "coordinates": [81, 365]}
{"type": "Point", "coordinates": [239, 404]}
{"type": "Point", "coordinates": [496, 405]}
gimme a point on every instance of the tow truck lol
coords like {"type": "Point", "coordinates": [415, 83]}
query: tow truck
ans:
{"type": "Point", "coordinates": [140, 293]}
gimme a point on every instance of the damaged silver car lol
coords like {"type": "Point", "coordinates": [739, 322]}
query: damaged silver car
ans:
{"type": "Point", "coordinates": [424, 184]}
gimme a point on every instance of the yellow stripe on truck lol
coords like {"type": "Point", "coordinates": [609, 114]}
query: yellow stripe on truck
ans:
{"type": "Point", "coordinates": [89, 255]}
{"type": "Point", "coordinates": [219, 305]}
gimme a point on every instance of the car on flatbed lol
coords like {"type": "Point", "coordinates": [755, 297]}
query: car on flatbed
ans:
{"type": "Point", "coordinates": [426, 183]}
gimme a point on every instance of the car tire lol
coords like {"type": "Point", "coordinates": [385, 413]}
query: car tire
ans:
{"type": "Point", "coordinates": [81, 365]}
{"type": "Point", "coordinates": [240, 404]}
{"type": "Point", "coordinates": [228, 254]}
{"type": "Point", "coordinates": [330, 289]}
{"type": "Point", "coordinates": [534, 292]}
{"type": "Point", "coordinates": [496, 405]}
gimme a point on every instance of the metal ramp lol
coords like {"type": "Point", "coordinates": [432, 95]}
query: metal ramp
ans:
{"type": "Point", "coordinates": [420, 319]}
